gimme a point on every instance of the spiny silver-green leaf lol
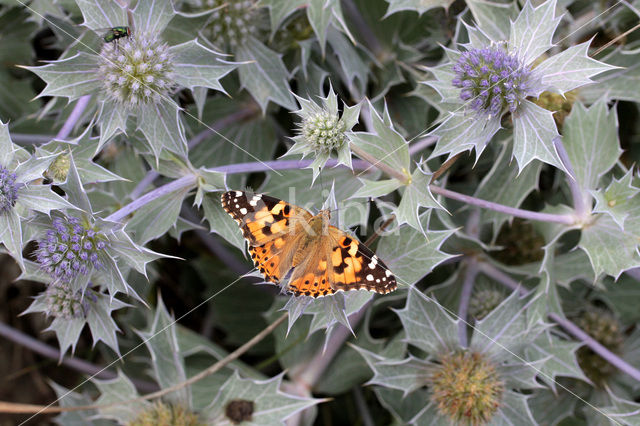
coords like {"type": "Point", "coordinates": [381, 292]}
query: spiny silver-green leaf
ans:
{"type": "Point", "coordinates": [166, 359]}
{"type": "Point", "coordinates": [70, 78]}
{"type": "Point", "coordinates": [533, 136]}
{"type": "Point", "coordinates": [570, 69]}
{"type": "Point", "coordinates": [532, 31]}
{"type": "Point", "coordinates": [427, 325]}
{"type": "Point", "coordinates": [264, 75]}
{"type": "Point", "coordinates": [271, 405]}
{"type": "Point", "coordinates": [197, 66]}
{"type": "Point", "coordinates": [611, 249]}
{"type": "Point", "coordinates": [590, 136]}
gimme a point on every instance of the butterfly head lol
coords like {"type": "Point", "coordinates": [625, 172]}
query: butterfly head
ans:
{"type": "Point", "coordinates": [319, 224]}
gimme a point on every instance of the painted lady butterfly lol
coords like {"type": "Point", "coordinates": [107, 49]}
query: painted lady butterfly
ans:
{"type": "Point", "coordinates": [324, 259]}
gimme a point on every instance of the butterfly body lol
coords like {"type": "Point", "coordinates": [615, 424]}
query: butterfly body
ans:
{"type": "Point", "coordinates": [324, 259]}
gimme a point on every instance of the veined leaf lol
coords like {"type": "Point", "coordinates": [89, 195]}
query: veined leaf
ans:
{"type": "Point", "coordinates": [270, 404]}
{"type": "Point", "coordinates": [99, 14]}
{"type": "Point", "coordinates": [532, 31]}
{"type": "Point", "coordinates": [383, 143]}
{"type": "Point", "coordinates": [411, 255]}
{"type": "Point", "coordinates": [119, 390]}
{"type": "Point", "coordinates": [535, 130]}
{"type": "Point", "coordinates": [196, 66]}
{"type": "Point", "coordinates": [416, 194]}
{"type": "Point", "coordinates": [427, 325]}
{"type": "Point", "coordinates": [264, 75]}
{"type": "Point", "coordinates": [493, 18]}
{"type": "Point", "coordinates": [152, 16]}
{"type": "Point", "coordinates": [590, 136]}
{"type": "Point", "coordinates": [166, 358]}
{"type": "Point", "coordinates": [619, 200]}
{"type": "Point", "coordinates": [611, 250]}
{"type": "Point", "coordinates": [419, 6]}
{"type": "Point", "coordinates": [570, 69]}
{"type": "Point", "coordinates": [70, 78]}
{"type": "Point", "coordinates": [461, 132]}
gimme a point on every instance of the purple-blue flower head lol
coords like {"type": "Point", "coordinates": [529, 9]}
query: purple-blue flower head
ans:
{"type": "Point", "coordinates": [70, 248]}
{"type": "Point", "coordinates": [491, 80]}
{"type": "Point", "coordinates": [8, 189]}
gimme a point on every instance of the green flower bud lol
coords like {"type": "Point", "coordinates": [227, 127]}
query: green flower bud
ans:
{"type": "Point", "coordinates": [466, 388]}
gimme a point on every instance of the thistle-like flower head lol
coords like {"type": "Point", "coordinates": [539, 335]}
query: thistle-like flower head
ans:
{"type": "Point", "coordinates": [8, 189]}
{"type": "Point", "coordinates": [231, 23]}
{"type": "Point", "coordinates": [70, 248]}
{"type": "Point", "coordinates": [136, 70]}
{"type": "Point", "coordinates": [323, 131]}
{"type": "Point", "coordinates": [64, 302]}
{"type": "Point", "coordinates": [466, 388]}
{"type": "Point", "coordinates": [491, 80]}
{"type": "Point", "coordinates": [166, 414]}
{"type": "Point", "coordinates": [603, 326]}
{"type": "Point", "coordinates": [484, 301]}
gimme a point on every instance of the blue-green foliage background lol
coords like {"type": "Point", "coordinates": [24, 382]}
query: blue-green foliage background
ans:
{"type": "Point", "coordinates": [245, 78]}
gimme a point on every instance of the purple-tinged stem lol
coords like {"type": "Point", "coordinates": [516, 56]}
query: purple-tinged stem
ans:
{"type": "Point", "coordinates": [463, 308]}
{"type": "Point", "coordinates": [216, 127]}
{"type": "Point", "coordinates": [567, 325]}
{"type": "Point", "coordinates": [73, 118]}
{"type": "Point", "coordinates": [525, 214]}
{"type": "Point", "coordinates": [80, 365]}
{"type": "Point", "coordinates": [282, 165]}
{"type": "Point", "coordinates": [315, 368]}
{"type": "Point", "coordinates": [421, 144]}
{"type": "Point", "coordinates": [580, 199]}
{"type": "Point", "coordinates": [595, 346]}
{"type": "Point", "coordinates": [25, 139]}
{"type": "Point", "coordinates": [176, 185]}
{"type": "Point", "coordinates": [369, 37]}
{"type": "Point", "coordinates": [634, 273]}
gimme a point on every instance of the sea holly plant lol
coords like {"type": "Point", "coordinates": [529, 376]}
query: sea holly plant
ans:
{"type": "Point", "coordinates": [136, 76]}
{"type": "Point", "coordinates": [484, 383]}
{"type": "Point", "coordinates": [486, 78]}
{"type": "Point", "coordinates": [517, 267]}
{"type": "Point", "coordinates": [21, 195]}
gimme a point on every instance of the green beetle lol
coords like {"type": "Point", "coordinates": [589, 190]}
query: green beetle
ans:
{"type": "Point", "coordinates": [116, 33]}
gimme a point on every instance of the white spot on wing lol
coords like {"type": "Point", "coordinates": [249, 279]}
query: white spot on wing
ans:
{"type": "Point", "coordinates": [238, 194]}
{"type": "Point", "coordinates": [374, 262]}
{"type": "Point", "coordinates": [243, 210]}
{"type": "Point", "coordinates": [387, 273]}
{"type": "Point", "coordinates": [369, 277]}
{"type": "Point", "coordinates": [254, 200]}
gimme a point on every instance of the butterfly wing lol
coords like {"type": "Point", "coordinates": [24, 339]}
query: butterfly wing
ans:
{"type": "Point", "coordinates": [262, 218]}
{"type": "Point", "coordinates": [354, 266]}
{"type": "Point", "coordinates": [266, 223]}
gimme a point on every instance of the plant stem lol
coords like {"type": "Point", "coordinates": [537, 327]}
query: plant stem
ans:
{"type": "Point", "coordinates": [216, 127]}
{"type": "Point", "coordinates": [567, 325]}
{"type": "Point", "coordinates": [73, 118]}
{"type": "Point", "coordinates": [525, 214]}
{"type": "Point", "coordinates": [369, 37]}
{"type": "Point", "coordinates": [178, 184]}
{"type": "Point", "coordinates": [581, 200]}
{"type": "Point", "coordinates": [378, 164]}
{"type": "Point", "coordinates": [315, 368]}
{"type": "Point", "coordinates": [25, 139]}
{"type": "Point", "coordinates": [80, 365]}
{"type": "Point", "coordinates": [421, 144]}
{"type": "Point", "coordinates": [463, 308]}
{"type": "Point", "coordinates": [281, 165]}
{"type": "Point", "coordinates": [9, 407]}
{"type": "Point", "coordinates": [595, 346]}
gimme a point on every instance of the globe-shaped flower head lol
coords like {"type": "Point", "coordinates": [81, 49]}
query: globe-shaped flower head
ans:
{"type": "Point", "coordinates": [501, 68]}
{"type": "Point", "coordinates": [491, 80]}
{"type": "Point", "coordinates": [64, 302]}
{"type": "Point", "coordinates": [137, 70]}
{"type": "Point", "coordinates": [8, 189]}
{"type": "Point", "coordinates": [70, 248]}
